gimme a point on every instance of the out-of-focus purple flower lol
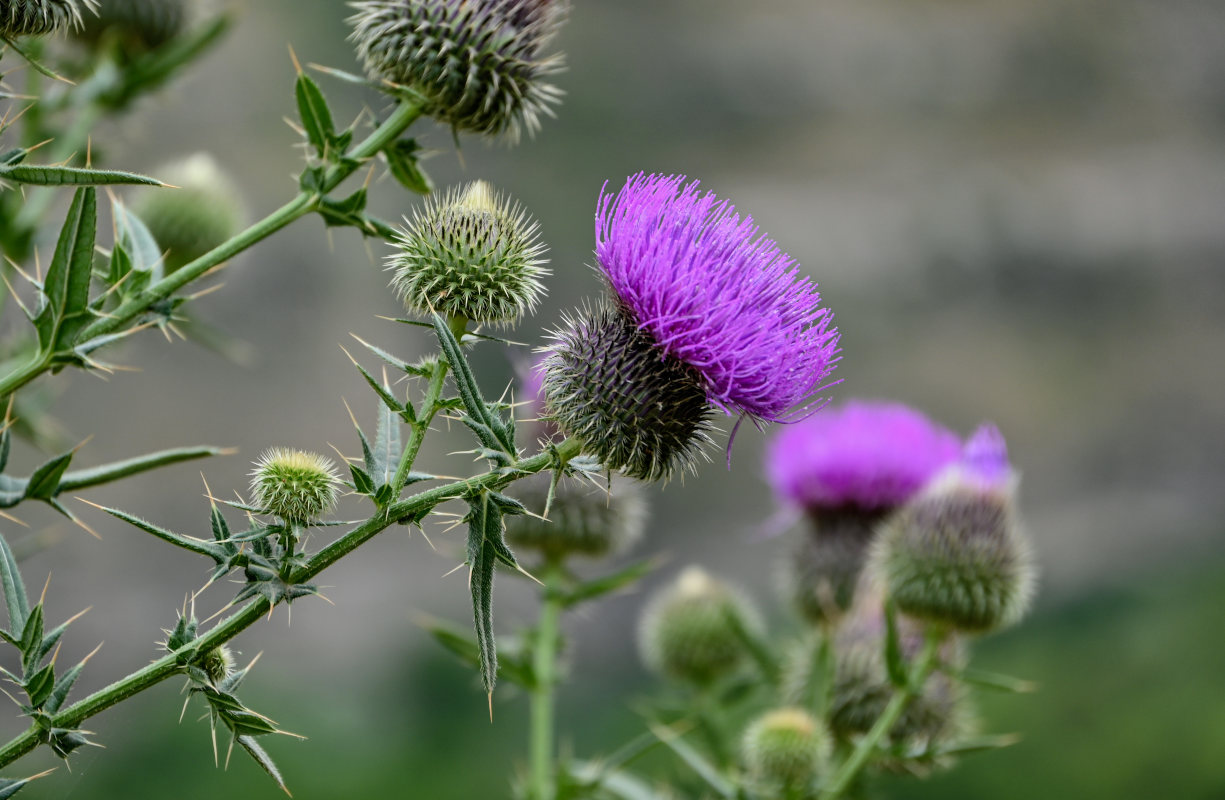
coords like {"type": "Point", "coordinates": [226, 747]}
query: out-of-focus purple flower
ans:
{"type": "Point", "coordinates": [869, 455]}
{"type": "Point", "coordinates": [713, 293]}
{"type": "Point", "coordinates": [985, 457]}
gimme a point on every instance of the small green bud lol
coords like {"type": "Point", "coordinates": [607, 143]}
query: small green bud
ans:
{"type": "Point", "coordinates": [478, 65]}
{"type": "Point", "coordinates": [295, 485]}
{"type": "Point", "coordinates": [689, 629]}
{"type": "Point", "coordinates": [785, 748]}
{"type": "Point", "coordinates": [636, 410]}
{"type": "Point", "coordinates": [140, 25]}
{"type": "Point", "coordinates": [470, 254]}
{"type": "Point", "coordinates": [191, 220]}
{"type": "Point", "coordinates": [583, 519]}
{"type": "Point", "coordinates": [218, 663]}
{"type": "Point", "coordinates": [40, 17]}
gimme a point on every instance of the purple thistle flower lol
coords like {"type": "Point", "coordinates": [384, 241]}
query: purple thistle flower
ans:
{"type": "Point", "coordinates": [714, 294]}
{"type": "Point", "coordinates": [872, 456]}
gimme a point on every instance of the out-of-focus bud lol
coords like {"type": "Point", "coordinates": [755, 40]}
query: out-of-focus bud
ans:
{"type": "Point", "coordinates": [689, 630]}
{"type": "Point", "coordinates": [479, 65]}
{"type": "Point", "coordinates": [954, 555]}
{"type": "Point", "coordinates": [583, 520]}
{"type": "Point", "coordinates": [297, 486]}
{"type": "Point", "coordinates": [140, 25]}
{"type": "Point", "coordinates": [202, 213]}
{"type": "Point", "coordinates": [785, 749]}
{"type": "Point", "coordinates": [470, 254]}
{"type": "Point", "coordinates": [40, 17]}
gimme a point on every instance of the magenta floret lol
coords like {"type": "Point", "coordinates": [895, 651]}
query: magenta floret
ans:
{"type": "Point", "coordinates": [865, 454]}
{"type": "Point", "coordinates": [716, 294]}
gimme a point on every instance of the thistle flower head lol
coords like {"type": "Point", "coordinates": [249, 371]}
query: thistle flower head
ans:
{"type": "Point", "coordinates": [711, 292]}
{"type": "Point", "coordinates": [141, 24]}
{"type": "Point", "coordinates": [202, 213]}
{"type": "Point", "coordinates": [40, 17]}
{"type": "Point", "coordinates": [689, 630]}
{"type": "Point", "coordinates": [867, 455]}
{"type": "Point", "coordinates": [295, 485]}
{"type": "Point", "coordinates": [954, 554]}
{"type": "Point", "coordinates": [471, 254]}
{"type": "Point", "coordinates": [479, 65]}
{"type": "Point", "coordinates": [636, 410]}
{"type": "Point", "coordinates": [785, 748]}
{"type": "Point", "coordinates": [218, 663]}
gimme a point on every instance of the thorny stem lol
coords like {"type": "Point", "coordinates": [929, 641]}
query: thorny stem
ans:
{"type": "Point", "coordinates": [544, 663]}
{"type": "Point", "coordinates": [919, 672]}
{"type": "Point", "coordinates": [304, 203]}
{"type": "Point", "coordinates": [414, 507]}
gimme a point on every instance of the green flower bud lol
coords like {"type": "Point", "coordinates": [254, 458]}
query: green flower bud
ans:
{"type": "Point", "coordinates": [297, 486]}
{"type": "Point", "coordinates": [583, 519]}
{"type": "Point", "coordinates": [218, 664]}
{"type": "Point", "coordinates": [954, 555]}
{"type": "Point", "coordinates": [689, 629]}
{"type": "Point", "coordinates": [827, 563]}
{"type": "Point", "coordinates": [139, 24]}
{"type": "Point", "coordinates": [785, 748]}
{"type": "Point", "coordinates": [477, 64]}
{"type": "Point", "coordinates": [191, 220]}
{"type": "Point", "coordinates": [634, 409]}
{"type": "Point", "coordinates": [40, 17]}
{"type": "Point", "coordinates": [470, 254]}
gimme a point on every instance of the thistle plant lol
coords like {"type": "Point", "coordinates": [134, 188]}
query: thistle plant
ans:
{"type": "Point", "coordinates": [916, 542]}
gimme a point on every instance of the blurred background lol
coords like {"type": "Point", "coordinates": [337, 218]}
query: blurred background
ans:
{"type": "Point", "coordinates": [1016, 211]}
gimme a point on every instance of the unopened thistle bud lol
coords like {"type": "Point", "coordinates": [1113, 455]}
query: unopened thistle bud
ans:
{"type": "Point", "coordinates": [478, 64]}
{"type": "Point", "coordinates": [954, 554]}
{"type": "Point", "coordinates": [583, 520]}
{"type": "Point", "coordinates": [189, 221]}
{"type": "Point", "coordinates": [470, 254]}
{"type": "Point", "coordinates": [786, 748]}
{"type": "Point", "coordinates": [218, 663]}
{"type": "Point", "coordinates": [705, 313]}
{"type": "Point", "coordinates": [690, 630]}
{"type": "Point", "coordinates": [297, 486]}
{"type": "Point", "coordinates": [140, 24]}
{"type": "Point", "coordinates": [848, 469]}
{"type": "Point", "coordinates": [40, 17]}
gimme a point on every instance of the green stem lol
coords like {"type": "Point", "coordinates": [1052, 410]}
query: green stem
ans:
{"type": "Point", "coordinates": [919, 672]}
{"type": "Point", "coordinates": [301, 205]}
{"type": "Point", "coordinates": [542, 785]}
{"type": "Point", "coordinates": [167, 666]}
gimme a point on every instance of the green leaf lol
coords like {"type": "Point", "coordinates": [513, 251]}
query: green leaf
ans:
{"type": "Point", "coordinates": [362, 483]}
{"type": "Point", "coordinates": [387, 448]}
{"type": "Point", "coordinates": [186, 542]}
{"type": "Point", "coordinates": [63, 687]}
{"type": "Point", "coordinates": [137, 241]}
{"type": "Point", "coordinates": [315, 115]}
{"type": "Point", "coordinates": [384, 394]}
{"type": "Point", "coordinates": [14, 589]}
{"type": "Point", "coordinates": [517, 671]}
{"type": "Point", "coordinates": [995, 681]}
{"type": "Point", "coordinates": [36, 175]}
{"type": "Point", "coordinates": [31, 638]}
{"type": "Point", "coordinates": [482, 558]}
{"type": "Point", "coordinates": [589, 590]}
{"type": "Point", "coordinates": [44, 484]}
{"type": "Point", "coordinates": [469, 392]}
{"type": "Point", "coordinates": [95, 476]}
{"type": "Point", "coordinates": [11, 786]}
{"type": "Point", "coordinates": [40, 686]}
{"type": "Point", "coordinates": [402, 161]}
{"type": "Point", "coordinates": [66, 287]}
{"type": "Point", "coordinates": [263, 759]}
{"type": "Point", "coordinates": [6, 445]}
{"type": "Point", "coordinates": [695, 761]}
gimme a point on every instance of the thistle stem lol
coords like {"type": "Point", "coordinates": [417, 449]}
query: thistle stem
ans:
{"type": "Point", "coordinates": [168, 666]}
{"type": "Point", "coordinates": [919, 672]}
{"type": "Point", "coordinates": [544, 662]}
{"type": "Point", "coordinates": [304, 203]}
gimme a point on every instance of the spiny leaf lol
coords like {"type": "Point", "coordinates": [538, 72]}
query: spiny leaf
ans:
{"type": "Point", "coordinates": [95, 476]}
{"type": "Point", "coordinates": [73, 176]}
{"type": "Point", "coordinates": [402, 162]}
{"type": "Point", "coordinates": [45, 482]}
{"type": "Point", "coordinates": [314, 112]}
{"type": "Point", "coordinates": [40, 686]}
{"type": "Point", "coordinates": [14, 589]}
{"type": "Point", "coordinates": [178, 539]}
{"type": "Point", "coordinates": [11, 786]}
{"type": "Point", "coordinates": [589, 590]}
{"type": "Point", "coordinates": [66, 289]}
{"type": "Point", "coordinates": [264, 760]}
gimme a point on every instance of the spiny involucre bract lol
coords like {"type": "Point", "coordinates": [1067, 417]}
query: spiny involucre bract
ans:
{"type": "Point", "coordinates": [714, 293]}
{"type": "Point", "coordinates": [955, 554]}
{"type": "Point", "coordinates": [785, 748]}
{"type": "Point", "coordinates": [469, 254]}
{"type": "Point", "coordinates": [39, 17]}
{"type": "Point", "coordinates": [295, 485]}
{"type": "Point", "coordinates": [200, 213]}
{"type": "Point", "coordinates": [478, 64]}
{"type": "Point", "coordinates": [142, 24]}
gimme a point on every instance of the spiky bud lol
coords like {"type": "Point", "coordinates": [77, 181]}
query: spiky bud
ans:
{"type": "Point", "coordinates": [218, 663]}
{"type": "Point", "coordinates": [689, 630]}
{"type": "Point", "coordinates": [634, 408]}
{"type": "Point", "coordinates": [785, 748]}
{"type": "Point", "coordinates": [471, 254]}
{"type": "Point", "coordinates": [478, 64]}
{"type": "Point", "coordinates": [40, 17]}
{"type": "Point", "coordinates": [140, 25]}
{"type": "Point", "coordinates": [954, 554]}
{"type": "Point", "coordinates": [583, 520]}
{"type": "Point", "coordinates": [202, 213]}
{"type": "Point", "coordinates": [827, 562]}
{"type": "Point", "coordinates": [297, 486]}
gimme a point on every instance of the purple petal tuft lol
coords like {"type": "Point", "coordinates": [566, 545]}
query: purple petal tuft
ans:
{"type": "Point", "coordinates": [715, 294]}
{"type": "Point", "coordinates": [870, 455]}
{"type": "Point", "coordinates": [985, 456]}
